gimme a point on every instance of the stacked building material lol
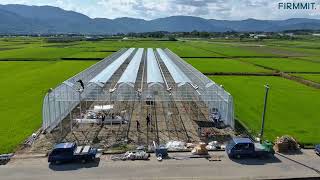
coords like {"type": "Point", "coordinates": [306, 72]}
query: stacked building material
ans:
{"type": "Point", "coordinates": [286, 144]}
{"type": "Point", "coordinates": [200, 149]}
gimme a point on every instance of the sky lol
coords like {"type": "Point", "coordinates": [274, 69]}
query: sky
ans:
{"type": "Point", "coordinates": [152, 9]}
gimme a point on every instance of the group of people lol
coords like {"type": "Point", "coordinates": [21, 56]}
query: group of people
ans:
{"type": "Point", "coordinates": [148, 118]}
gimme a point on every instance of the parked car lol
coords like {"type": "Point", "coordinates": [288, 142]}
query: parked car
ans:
{"type": "Point", "coordinates": [245, 147]}
{"type": "Point", "coordinates": [68, 152]}
{"type": "Point", "coordinates": [317, 149]}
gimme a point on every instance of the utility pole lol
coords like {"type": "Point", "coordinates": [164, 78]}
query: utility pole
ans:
{"type": "Point", "coordinates": [264, 111]}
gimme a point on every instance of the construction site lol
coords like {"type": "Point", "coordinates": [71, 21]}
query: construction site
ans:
{"type": "Point", "coordinates": [136, 97]}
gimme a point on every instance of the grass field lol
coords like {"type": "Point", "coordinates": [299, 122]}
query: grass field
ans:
{"type": "Point", "coordinates": [229, 49]}
{"type": "Point", "coordinates": [311, 47]}
{"type": "Point", "coordinates": [293, 107]}
{"type": "Point", "coordinates": [286, 64]}
{"type": "Point", "coordinates": [222, 65]}
{"type": "Point", "coordinates": [37, 53]}
{"type": "Point", "coordinates": [24, 85]}
{"type": "Point", "coordinates": [89, 54]}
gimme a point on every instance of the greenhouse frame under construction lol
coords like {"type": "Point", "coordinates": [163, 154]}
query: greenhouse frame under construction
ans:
{"type": "Point", "coordinates": [136, 85]}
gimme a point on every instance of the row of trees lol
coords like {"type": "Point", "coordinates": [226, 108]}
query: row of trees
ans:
{"type": "Point", "coordinates": [230, 34]}
{"type": "Point", "coordinates": [172, 36]}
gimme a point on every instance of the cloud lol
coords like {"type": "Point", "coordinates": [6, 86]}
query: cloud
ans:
{"type": "Point", "coordinates": [151, 9]}
{"type": "Point", "coordinates": [195, 3]}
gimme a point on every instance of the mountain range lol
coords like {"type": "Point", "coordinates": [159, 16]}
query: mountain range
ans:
{"type": "Point", "coordinates": [22, 19]}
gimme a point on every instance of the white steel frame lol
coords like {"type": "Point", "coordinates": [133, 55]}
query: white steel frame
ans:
{"type": "Point", "coordinates": [173, 79]}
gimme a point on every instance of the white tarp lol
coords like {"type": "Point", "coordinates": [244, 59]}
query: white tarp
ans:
{"type": "Point", "coordinates": [153, 70]}
{"type": "Point", "coordinates": [177, 74]}
{"type": "Point", "coordinates": [129, 76]}
{"type": "Point", "coordinates": [106, 74]}
{"type": "Point", "coordinates": [102, 107]}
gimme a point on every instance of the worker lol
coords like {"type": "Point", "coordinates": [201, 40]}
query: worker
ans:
{"type": "Point", "coordinates": [148, 120]}
{"type": "Point", "coordinates": [102, 119]}
{"type": "Point", "coordinates": [138, 125]}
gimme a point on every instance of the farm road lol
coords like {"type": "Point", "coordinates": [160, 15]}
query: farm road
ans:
{"type": "Point", "coordinates": [278, 167]}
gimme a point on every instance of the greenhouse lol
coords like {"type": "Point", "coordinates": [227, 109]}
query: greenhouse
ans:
{"type": "Point", "coordinates": [136, 84]}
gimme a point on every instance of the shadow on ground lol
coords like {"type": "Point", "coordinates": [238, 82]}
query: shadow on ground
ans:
{"type": "Point", "coordinates": [257, 161]}
{"type": "Point", "coordinates": [4, 162]}
{"type": "Point", "coordinates": [301, 163]}
{"type": "Point", "coordinates": [74, 166]}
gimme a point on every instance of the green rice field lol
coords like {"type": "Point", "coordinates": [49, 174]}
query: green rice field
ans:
{"type": "Point", "coordinates": [208, 66]}
{"type": "Point", "coordinates": [25, 84]}
{"type": "Point", "coordinates": [288, 111]}
{"type": "Point", "coordinates": [286, 64]}
{"type": "Point", "coordinates": [89, 54]}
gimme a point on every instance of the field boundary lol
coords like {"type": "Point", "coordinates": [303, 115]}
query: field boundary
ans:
{"type": "Point", "coordinates": [28, 59]}
{"type": "Point", "coordinates": [243, 74]}
{"type": "Point", "coordinates": [306, 60]}
{"type": "Point", "coordinates": [301, 72]}
{"type": "Point", "coordinates": [239, 57]}
{"type": "Point", "coordinates": [103, 51]}
{"type": "Point", "coordinates": [287, 75]}
{"type": "Point", "coordinates": [87, 59]}
{"type": "Point", "coordinates": [8, 48]}
{"type": "Point", "coordinates": [50, 60]}
{"type": "Point", "coordinates": [300, 80]}
{"type": "Point", "coordinates": [207, 50]}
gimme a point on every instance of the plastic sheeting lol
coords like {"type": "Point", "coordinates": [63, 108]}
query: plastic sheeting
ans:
{"type": "Point", "coordinates": [106, 74]}
{"type": "Point", "coordinates": [129, 76]}
{"type": "Point", "coordinates": [153, 72]}
{"type": "Point", "coordinates": [177, 74]}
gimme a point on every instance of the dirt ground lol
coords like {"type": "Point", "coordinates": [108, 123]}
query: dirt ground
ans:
{"type": "Point", "coordinates": [169, 121]}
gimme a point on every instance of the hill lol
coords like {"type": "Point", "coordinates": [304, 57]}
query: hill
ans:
{"type": "Point", "coordinates": [22, 19]}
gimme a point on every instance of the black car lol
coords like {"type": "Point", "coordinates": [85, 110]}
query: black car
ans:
{"type": "Point", "coordinates": [67, 152]}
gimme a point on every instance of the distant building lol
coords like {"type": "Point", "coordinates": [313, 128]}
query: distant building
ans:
{"type": "Point", "coordinates": [260, 36]}
{"type": "Point", "coordinates": [316, 34]}
{"type": "Point", "coordinates": [289, 34]}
